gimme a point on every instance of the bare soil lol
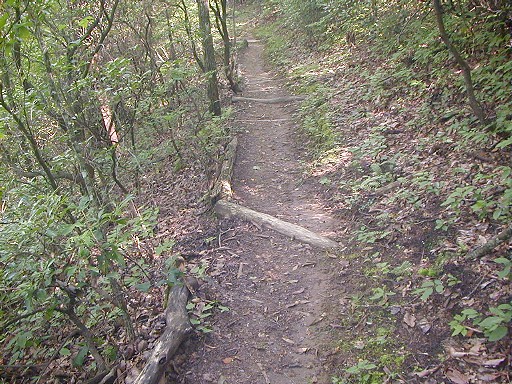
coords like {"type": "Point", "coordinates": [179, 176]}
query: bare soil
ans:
{"type": "Point", "coordinates": [275, 287]}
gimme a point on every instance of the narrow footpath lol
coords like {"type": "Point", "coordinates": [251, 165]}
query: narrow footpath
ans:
{"type": "Point", "coordinates": [276, 288]}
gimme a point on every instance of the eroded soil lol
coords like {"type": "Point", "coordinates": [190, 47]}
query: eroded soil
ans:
{"type": "Point", "coordinates": [275, 287]}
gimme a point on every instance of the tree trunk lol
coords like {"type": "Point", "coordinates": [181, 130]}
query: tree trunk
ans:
{"type": "Point", "coordinates": [222, 187]}
{"type": "Point", "coordinates": [221, 21]}
{"type": "Point", "coordinates": [210, 66]}
{"type": "Point", "coordinates": [466, 71]}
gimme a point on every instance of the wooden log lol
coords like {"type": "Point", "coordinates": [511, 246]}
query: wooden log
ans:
{"type": "Point", "coordinates": [222, 187]}
{"type": "Point", "coordinates": [488, 247]}
{"type": "Point", "coordinates": [275, 100]}
{"type": "Point", "coordinates": [178, 327]}
{"type": "Point", "coordinates": [227, 209]}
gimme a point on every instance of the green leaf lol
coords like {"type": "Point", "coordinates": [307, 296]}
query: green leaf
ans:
{"type": "Point", "coordinates": [204, 329]}
{"type": "Point", "coordinates": [426, 294]}
{"type": "Point", "coordinates": [507, 171]}
{"type": "Point", "coordinates": [503, 260]}
{"type": "Point", "coordinates": [178, 74]}
{"type": "Point", "coordinates": [3, 20]}
{"type": "Point", "coordinates": [64, 352]}
{"type": "Point", "coordinates": [66, 229]}
{"type": "Point", "coordinates": [22, 339]}
{"type": "Point", "coordinates": [498, 334]}
{"type": "Point", "coordinates": [497, 214]}
{"type": "Point", "coordinates": [376, 168]}
{"type": "Point", "coordinates": [165, 246]}
{"type": "Point", "coordinates": [86, 21]}
{"type": "Point", "coordinates": [79, 359]}
{"type": "Point", "coordinates": [490, 322]}
{"type": "Point", "coordinates": [22, 32]}
{"type": "Point", "coordinates": [325, 181]}
{"type": "Point", "coordinates": [143, 287]}
{"type": "Point", "coordinates": [470, 313]}
{"type": "Point", "coordinates": [504, 143]}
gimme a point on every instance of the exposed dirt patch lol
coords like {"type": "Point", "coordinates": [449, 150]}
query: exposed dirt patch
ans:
{"type": "Point", "coordinates": [275, 287]}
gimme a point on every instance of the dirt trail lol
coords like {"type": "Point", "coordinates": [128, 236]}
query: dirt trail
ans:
{"type": "Point", "coordinates": [275, 287]}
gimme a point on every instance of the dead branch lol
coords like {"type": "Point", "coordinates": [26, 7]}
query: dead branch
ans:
{"type": "Point", "coordinates": [178, 327]}
{"type": "Point", "coordinates": [488, 247]}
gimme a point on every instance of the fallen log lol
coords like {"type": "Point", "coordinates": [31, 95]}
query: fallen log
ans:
{"type": "Point", "coordinates": [227, 209]}
{"type": "Point", "coordinates": [178, 327]}
{"type": "Point", "coordinates": [222, 187]}
{"type": "Point", "coordinates": [275, 100]}
{"type": "Point", "coordinates": [488, 247]}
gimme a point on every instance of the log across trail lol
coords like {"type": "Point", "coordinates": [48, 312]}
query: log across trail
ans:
{"type": "Point", "coordinates": [272, 100]}
{"type": "Point", "coordinates": [228, 209]}
{"type": "Point", "coordinates": [271, 269]}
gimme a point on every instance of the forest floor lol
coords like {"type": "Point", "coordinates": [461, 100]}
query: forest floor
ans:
{"type": "Point", "coordinates": [277, 289]}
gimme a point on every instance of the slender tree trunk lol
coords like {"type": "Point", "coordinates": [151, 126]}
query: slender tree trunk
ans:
{"type": "Point", "coordinates": [188, 29]}
{"type": "Point", "coordinates": [466, 71]}
{"type": "Point", "coordinates": [210, 65]}
{"type": "Point", "coordinates": [221, 21]}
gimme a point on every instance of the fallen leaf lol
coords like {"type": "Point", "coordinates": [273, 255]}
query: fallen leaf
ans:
{"type": "Point", "coordinates": [493, 362]}
{"type": "Point", "coordinates": [426, 372]}
{"type": "Point", "coordinates": [302, 350]}
{"type": "Point", "coordinates": [410, 319]}
{"type": "Point", "coordinates": [288, 340]}
{"type": "Point", "coordinates": [456, 376]}
{"type": "Point", "coordinates": [488, 377]}
{"type": "Point", "coordinates": [228, 360]}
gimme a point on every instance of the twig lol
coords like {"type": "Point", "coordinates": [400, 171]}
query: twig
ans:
{"type": "Point", "coordinates": [21, 317]}
{"type": "Point", "coordinates": [56, 353]}
{"type": "Point", "coordinates": [476, 286]}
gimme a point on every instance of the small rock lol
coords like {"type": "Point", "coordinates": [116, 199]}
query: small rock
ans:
{"type": "Point", "coordinates": [424, 325]}
{"type": "Point", "coordinates": [395, 310]}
